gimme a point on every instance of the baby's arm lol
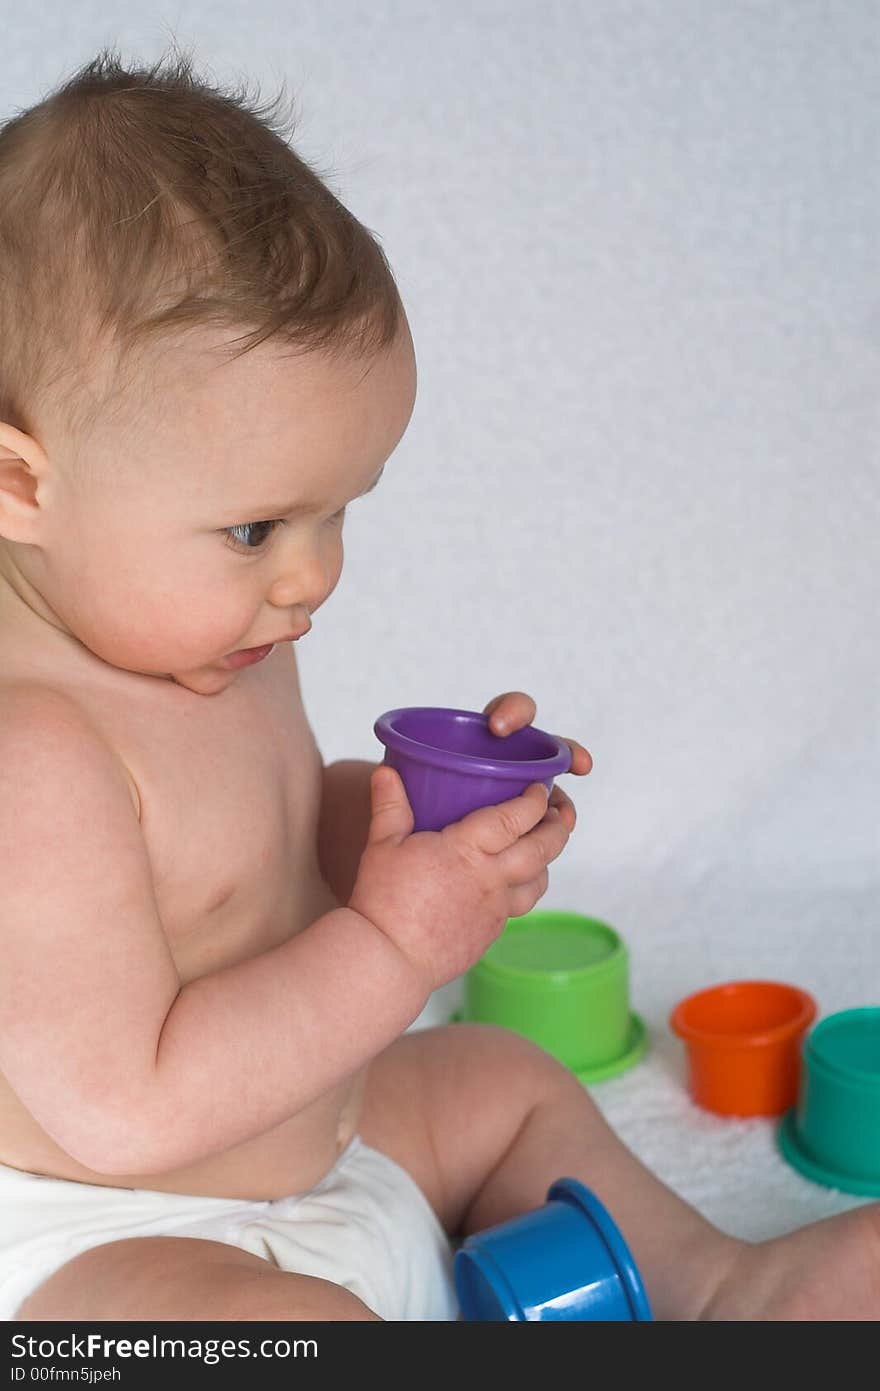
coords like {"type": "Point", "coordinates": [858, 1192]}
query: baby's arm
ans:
{"type": "Point", "coordinates": [126, 1070]}
{"type": "Point", "coordinates": [344, 823]}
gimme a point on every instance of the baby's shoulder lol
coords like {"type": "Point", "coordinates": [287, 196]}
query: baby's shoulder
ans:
{"type": "Point", "coordinates": [35, 713]}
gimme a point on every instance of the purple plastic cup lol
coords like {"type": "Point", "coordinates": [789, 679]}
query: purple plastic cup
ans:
{"type": "Point", "coordinates": [451, 763]}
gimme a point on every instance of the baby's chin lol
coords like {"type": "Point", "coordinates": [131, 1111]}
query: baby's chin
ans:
{"type": "Point", "coordinates": [210, 678]}
{"type": "Point", "coordinates": [205, 680]}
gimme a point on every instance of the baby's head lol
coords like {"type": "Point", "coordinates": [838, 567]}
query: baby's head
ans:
{"type": "Point", "coordinates": [203, 359]}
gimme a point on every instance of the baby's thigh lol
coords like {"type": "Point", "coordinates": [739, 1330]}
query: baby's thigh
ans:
{"type": "Point", "coordinates": [161, 1278]}
{"type": "Point", "coordinates": [447, 1103]}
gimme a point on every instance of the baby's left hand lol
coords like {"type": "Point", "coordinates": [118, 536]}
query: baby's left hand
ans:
{"type": "Point", "coordinates": [514, 710]}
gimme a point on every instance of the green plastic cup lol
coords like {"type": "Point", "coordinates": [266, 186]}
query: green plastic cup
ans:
{"type": "Point", "coordinates": [561, 980]}
{"type": "Point", "coordinates": [832, 1134]}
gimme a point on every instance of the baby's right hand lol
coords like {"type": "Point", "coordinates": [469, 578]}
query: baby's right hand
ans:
{"type": "Point", "coordinates": [444, 896]}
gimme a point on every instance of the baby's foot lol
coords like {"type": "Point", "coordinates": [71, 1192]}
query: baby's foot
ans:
{"type": "Point", "coordinates": [829, 1270]}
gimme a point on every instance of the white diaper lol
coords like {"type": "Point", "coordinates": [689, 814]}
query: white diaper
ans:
{"type": "Point", "coordinates": [367, 1226]}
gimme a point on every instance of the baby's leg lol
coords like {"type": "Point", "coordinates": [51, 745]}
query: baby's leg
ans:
{"type": "Point", "coordinates": [157, 1278]}
{"type": "Point", "coordinates": [485, 1121]}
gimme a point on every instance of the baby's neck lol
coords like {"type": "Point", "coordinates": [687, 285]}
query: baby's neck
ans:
{"type": "Point", "coordinates": [29, 627]}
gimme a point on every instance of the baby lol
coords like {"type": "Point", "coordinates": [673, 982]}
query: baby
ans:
{"type": "Point", "coordinates": [212, 943]}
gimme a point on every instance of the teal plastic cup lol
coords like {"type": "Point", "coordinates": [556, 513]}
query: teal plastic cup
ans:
{"type": "Point", "coordinates": [832, 1134]}
{"type": "Point", "coordinates": [562, 980]}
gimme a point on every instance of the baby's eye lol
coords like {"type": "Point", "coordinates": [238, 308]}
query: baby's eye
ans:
{"type": "Point", "coordinates": [233, 533]}
{"type": "Point", "coordinates": [245, 527]}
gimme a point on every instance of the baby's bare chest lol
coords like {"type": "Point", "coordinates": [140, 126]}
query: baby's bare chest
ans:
{"type": "Point", "coordinates": [229, 792]}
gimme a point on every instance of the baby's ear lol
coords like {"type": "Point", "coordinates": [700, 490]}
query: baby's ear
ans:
{"type": "Point", "coordinates": [15, 444]}
{"type": "Point", "coordinates": [23, 465]}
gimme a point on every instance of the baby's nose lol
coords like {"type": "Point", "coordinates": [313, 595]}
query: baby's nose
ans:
{"type": "Point", "coordinates": [303, 581]}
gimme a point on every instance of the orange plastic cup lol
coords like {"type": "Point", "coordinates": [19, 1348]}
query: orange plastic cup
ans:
{"type": "Point", "coordinates": [743, 1042]}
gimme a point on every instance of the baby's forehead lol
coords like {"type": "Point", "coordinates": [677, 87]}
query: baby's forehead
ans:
{"type": "Point", "coordinates": [261, 426]}
{"type": "Point", "coordinates": [177, 387]}
{"type": "Point", "coordinates": [197, 396]}
{"type": "Point", "coordinates": [206, 367]}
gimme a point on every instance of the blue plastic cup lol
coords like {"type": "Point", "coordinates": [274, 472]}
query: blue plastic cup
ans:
{"type": "Point", "coordinates": [565, 1260]}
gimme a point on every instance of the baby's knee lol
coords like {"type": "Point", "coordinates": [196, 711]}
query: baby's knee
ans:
{"type": "Point", "coordinates": [278, 1294]}
{"type": "Point", "coordinates": [509, 1056]}
{"type": "Point", "coordinates": [184, 1278]}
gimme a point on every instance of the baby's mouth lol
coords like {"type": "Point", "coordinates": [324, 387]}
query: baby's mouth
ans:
{"type": "Point", "coordinates": [246, 656]}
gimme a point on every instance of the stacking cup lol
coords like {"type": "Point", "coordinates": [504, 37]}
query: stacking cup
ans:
{"type": "Point", "coordinates": [451, 762]}
{"type": "Point", "coordinates": [561, 980]}
{"type": "Point", "coordinates": [832, 1134]}
{"type": "Point", "coordinates": [565, 1260]}
{"type": "Point", "coordinates": [743, 1043]}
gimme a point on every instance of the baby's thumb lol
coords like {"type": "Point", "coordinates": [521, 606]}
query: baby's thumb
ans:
{"type": "Point", "coordinates": [392, 817]}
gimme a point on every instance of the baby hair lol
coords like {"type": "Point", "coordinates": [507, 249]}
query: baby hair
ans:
{"type": "Point", "coordinates": [138, 204]}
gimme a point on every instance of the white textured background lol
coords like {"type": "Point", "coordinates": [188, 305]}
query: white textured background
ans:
{"type": "Point", "coordinates": [637, 241]}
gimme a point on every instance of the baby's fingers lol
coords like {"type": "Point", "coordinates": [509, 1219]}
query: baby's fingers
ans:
{"type": "Point", "coordinates": [523, 897]}
{"type": "Point", "coordinates": [493, 829]}
{"type": "Point", "coordinates": [525, 861]}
